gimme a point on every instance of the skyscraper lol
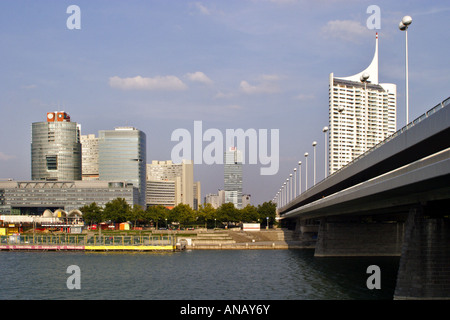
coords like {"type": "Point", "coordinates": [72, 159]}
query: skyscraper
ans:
{"type": "Point", "coordinates": [180, 174]}
{"type": "Point", "coordinates": [362, 113]}
{"type": "Point", "coordinates": [122, 157]}
{"type": "Point", "coordinates": [233, 177]}
{"type": "Point", "coordinates": [55, 148]}
{"type": "Point", "coordinates": [89, 157]}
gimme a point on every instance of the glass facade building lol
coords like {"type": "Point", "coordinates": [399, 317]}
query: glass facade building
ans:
{"type": "Point", "coordinates": [55, 149]}
{"type": "Point", "coordinates": [34, 197]}
{"type": "Point", "coordinates": [233, 177]}
{"type": "Point", "coordinates": [122, 157]}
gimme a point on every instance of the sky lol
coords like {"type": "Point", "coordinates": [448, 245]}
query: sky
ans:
{"type": "Point", "coordinates": [249, 64]}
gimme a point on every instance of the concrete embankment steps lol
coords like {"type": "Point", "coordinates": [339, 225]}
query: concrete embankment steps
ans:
{"type": "Point", "coordinates": [212, 238]}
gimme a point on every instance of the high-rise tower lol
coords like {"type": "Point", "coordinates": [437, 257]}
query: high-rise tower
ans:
{"type": "Point", "coordinates": [122, 157]}
{"type": "Point", "coordinates": [162, 175]}
{"type": "Point", "coordinates": [56, 149]}
{"type": "Point", "coordinates": [362, 113]}
{"type": "Point", "coordinates": [233, 177]}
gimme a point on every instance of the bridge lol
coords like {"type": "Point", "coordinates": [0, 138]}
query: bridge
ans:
{"type": "Point", "coordinates": [393, 200]}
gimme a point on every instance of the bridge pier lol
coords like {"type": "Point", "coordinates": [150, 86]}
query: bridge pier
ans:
{"type": "Point", "coordinates": [358, 236]}
{"type": "Point", "coordinates": [424, 270]}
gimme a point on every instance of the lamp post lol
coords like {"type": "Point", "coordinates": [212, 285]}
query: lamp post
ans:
{"type": "Point", "coordinates": [340, 135]}
{"type": "Point", "coordinates": [314, 148]}
{"type": "Point", "coordinates": [306, 170]}
{"type": "Point", "coordinates": [288, 191]}
{"type": "Point", "coordinates": [403, 26]}
{"type": "Point", "coordinates": [267, 219]}
{"type": "Point", "coordinates": [290, 187]}
{"type": "Point", "coordinates": [299, 177]}
{"type": "Point", "coordinates": [325, 130]}
{"type": "Point", "coordinates": [295, 182]}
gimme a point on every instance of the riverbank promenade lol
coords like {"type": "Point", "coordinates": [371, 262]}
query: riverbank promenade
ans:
{"type": "Point", "coordinates": [161, 240]}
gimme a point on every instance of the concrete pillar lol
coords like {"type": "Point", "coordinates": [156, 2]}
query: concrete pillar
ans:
{"type": "Point", "coordinates": [340, 237]}
{"type": "Point", "coordinates": [424, 269]}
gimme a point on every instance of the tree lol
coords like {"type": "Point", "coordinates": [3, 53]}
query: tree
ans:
{"type": "Point", "coordinates": [156, 214]}
{"type": "Point", "coordinates": [206, 213]}
{"type": "Point", "coordinates": [267, 209]}
{"type": "Point", "coordinates": [136, 214]}
{"type": "Point", "coordinates": [227, 213]}
{"type": "Point", "coordinates": [92, 213]}
{"type": "Point", "coordinates": [117, 210]}
{"type": "Point", "coordinates": [249, 214]}
{"type": "Point", "coordinates": [182, 213]}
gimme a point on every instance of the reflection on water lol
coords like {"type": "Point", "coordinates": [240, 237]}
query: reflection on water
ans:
{"type": "Point", "coordinates": [202, 274]}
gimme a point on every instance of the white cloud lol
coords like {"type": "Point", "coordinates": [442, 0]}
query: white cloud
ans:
{"type": "Point", "coordinates": [171, 83]}
{"type": "Point", "coordinates": [347, 30]}
{"type": "Point", "coordinates": [304, 97]}
{"type": "Point", "coordinates": [267, 85]}
{"type": "Point", "coordinates": [204, 10]}
{"type": "Point", "coordinates": [199, 77]}
{"type": "Point", "coordinates": [6, 157]}
{"type": "Point", "coordinates": [221, 95]}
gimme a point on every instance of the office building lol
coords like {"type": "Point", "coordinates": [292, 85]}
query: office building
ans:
{"type": "Point", "coordinates": [215, 199]}
{"type": "Point", "coordinates": [34, 197]}
{"type": "Point", "coordinates": [89, 157]}
{"type": "Point", "coordinates": [362, 113]}
{"type": "Point", "coordinates": [55, 148]}
{"type": "Point", "coordinates": [181, 178]}
{"type": "Point", "coordinates": [163, 193]}
{"type": "Point", "coordinates": [197, 192]}
{"type": "Point", "coordinates": [233, 177]}
{"type": "Point", "coordinates": [246, 199]}
{"type": "Point", "coordinates": [218, 199]}
{"type": "Point", "coordinates": [122, 157]}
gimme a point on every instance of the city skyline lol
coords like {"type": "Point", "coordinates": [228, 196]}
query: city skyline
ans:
{"type": "Point", "coordinates": [238, 64]}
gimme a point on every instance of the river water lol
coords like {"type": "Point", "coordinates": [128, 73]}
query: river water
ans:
{"type": "Point", "coordinates": [193, 275]}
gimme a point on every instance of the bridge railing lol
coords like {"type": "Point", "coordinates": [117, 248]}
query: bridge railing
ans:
{"type": "Point", "coordinates": [422, 117]}
{"type": "Point", "coordinates": [439, 106]}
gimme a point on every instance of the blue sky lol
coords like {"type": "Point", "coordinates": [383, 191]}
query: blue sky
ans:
{"type": "Point", "coordinates": [261, 64]}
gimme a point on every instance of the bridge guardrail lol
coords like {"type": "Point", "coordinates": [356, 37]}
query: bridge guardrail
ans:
{"type": "Point", "coordinates": [436, 108]}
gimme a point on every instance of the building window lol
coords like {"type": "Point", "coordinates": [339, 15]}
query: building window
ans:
{"type": "Point", "coordinates": [52, 162]}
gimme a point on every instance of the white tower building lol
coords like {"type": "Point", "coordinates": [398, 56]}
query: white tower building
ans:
{"type": "Point", "coordinates": [362, 113]}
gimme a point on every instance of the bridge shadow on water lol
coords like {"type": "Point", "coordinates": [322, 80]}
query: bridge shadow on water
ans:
{"type": "Point", "coordinates": [347, 277]}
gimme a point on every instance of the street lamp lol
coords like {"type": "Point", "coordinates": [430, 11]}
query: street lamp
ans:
{"type": "Point", "coordinates": [340, 136]}
{"type": "Point", "coordinates": [290, 186]}
{"type": "Point", "coordinates": [314, 148]}
{"type": "Point", "coordinates": [306, 171]}
{"type": "Point", "coordinates": [363, 79]}
{"type": "Point", "coordinates": [288, 191]}
{"type": "Point", "coordinates": [267, 219]}
{"type": "Point", "coordinates": [325, 130]}
{"type": "Point", "coordinates": [403, 26]}
{"type": "Point", "coordinates": [299, 177]}
{"type": "Point", "coordinates": [295, 182]}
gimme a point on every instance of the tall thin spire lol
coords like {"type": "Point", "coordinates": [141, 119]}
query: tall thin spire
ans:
{"type": "Point", "coordinates": [372, 69]}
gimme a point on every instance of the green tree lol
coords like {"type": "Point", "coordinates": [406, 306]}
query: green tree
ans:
{"type": "Point", "coordinates": [249, 214]}
{"type": "Point", "coordinates": [267, 210]}
{"type": "Point", "coordinates": [206, 213]}
{"type": "Point", "coordinates": [158, 214]}
{"type": "Point", "coordinates": [136, 214]}
{"type": "Point", "coordinates": [227, 213]}
{"type": "Point", "coordinates": [92, 213]}
{"type": "Point", "coordinates": [117, 210]}
{"type": "Point", "coordinates": [183, 214]}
